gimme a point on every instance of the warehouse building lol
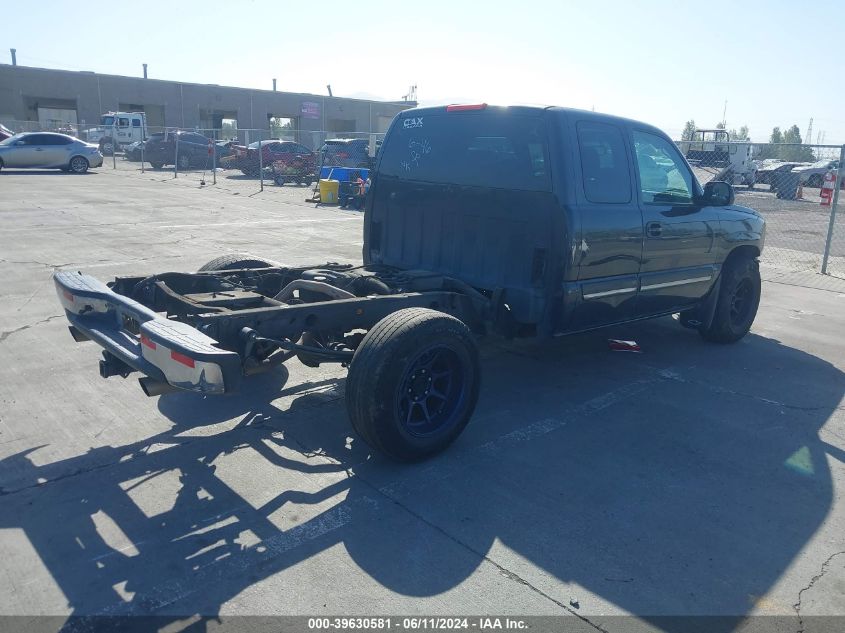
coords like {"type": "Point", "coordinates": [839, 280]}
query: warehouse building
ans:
{"type": "Point", "coordinates": [53, 99]}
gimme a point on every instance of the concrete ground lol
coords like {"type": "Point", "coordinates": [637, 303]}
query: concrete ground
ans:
{"type": "Point", "coordinates": [691, 479]}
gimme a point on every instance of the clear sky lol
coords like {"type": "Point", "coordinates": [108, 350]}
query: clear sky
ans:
{"type": "Point", "coordinates": [664, 62]}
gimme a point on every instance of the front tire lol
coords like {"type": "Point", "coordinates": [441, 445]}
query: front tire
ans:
{"type": "Point", "coordinates": [156, 165]}
{"type": "Point", "coordinates": [739, 298]}
{"type": "Point", "coordinates": [78, 165]}
{"type": "Point", "coordinates": [184, 162]}
{"type": "Point", "coordinates": [413, 383]}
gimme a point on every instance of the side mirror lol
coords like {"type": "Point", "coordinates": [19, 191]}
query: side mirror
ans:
{"type": "Point", "coordinates": [718, 193]}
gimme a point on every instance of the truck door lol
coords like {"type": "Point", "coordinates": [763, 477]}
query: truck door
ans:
{"type": "Point", "coordinates": [680, 232]}
{"type": "Point", "coordinates": [137, 132]}
{"type": "Point", "coordinates": [609, 248]}
{"type": "Point", "coordinates": [124, 132]}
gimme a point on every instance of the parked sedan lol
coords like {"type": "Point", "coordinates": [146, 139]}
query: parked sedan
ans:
{"type": "Point", "coordinates": [813, 175]}
{"type": "Point", "coordinates": [134, 151]}
{"type": "Point", "coordinates": [770, 171]}
{"type": "Point", "coordinates": [46, 150]}
{"type": "Point", "coordinates": [161, 150]}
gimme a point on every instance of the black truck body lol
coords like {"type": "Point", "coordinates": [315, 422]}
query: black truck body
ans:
{"type": "Point", "coordinates": [517, 221]}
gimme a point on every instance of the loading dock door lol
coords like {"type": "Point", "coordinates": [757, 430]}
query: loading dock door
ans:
{"type": "Point", "coordinates": [56, 118]}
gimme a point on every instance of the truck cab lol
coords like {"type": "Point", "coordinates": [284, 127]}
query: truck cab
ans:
{"type": "Point", "coordinates": [574, 220]}
{"type": "Point", "coordinates": [716, 156]}
{"type": "Point", "coordinates": [117, 130]}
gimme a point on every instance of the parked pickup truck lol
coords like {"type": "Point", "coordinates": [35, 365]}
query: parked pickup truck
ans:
{"type": "Point", "coordinates": [519, 221]}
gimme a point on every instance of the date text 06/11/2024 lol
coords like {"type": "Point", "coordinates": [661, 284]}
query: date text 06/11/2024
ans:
{"type": "Point", "coordinates": [418, 623]}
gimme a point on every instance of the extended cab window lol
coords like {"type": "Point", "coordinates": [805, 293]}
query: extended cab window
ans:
{"type": "Point", "coordinates": [664, 177]}
{"type": "Point", "coordinates": [604, 164]}
{"type": "Point", "coordinates": [489, 149]}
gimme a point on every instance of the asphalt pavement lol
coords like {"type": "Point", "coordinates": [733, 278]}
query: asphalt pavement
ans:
{"type": "Point", "coordinates": [690, 479]}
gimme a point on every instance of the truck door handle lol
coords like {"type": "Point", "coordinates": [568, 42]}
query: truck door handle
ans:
{"type": "Point", "coordinates": [654, 229]}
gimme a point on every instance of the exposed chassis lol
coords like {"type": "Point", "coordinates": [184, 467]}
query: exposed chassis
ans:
{"type": "Point", "coordinates": [204, 331]}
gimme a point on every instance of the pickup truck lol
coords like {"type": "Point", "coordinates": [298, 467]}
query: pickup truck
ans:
{"type": "Point", "coordinates": [508, 221]}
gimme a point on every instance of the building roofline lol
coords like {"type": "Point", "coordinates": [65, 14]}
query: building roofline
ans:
{"type": "Point", "coordinates": [91, 73]}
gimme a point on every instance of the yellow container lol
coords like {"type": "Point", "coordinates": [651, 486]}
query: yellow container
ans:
{"type": "Point", "coordinates": [329, 190]}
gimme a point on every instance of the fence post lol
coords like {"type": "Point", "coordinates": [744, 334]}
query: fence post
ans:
{"type": "Point", "coordinates": [114, 141]}
{"type": "Point", "coordinates": [261, 162]}
{"type": "Point", "coordinates": [214, 162]}
{"type": "Point", "coordinates": [176, 159]}
{"type": "Point", "coordinates": [143, 142]}
{"type": "Point", "coordinates": [831, 225]}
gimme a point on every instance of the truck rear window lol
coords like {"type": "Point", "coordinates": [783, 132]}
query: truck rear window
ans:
{"type": "Point", "coordinates": [489, 149]}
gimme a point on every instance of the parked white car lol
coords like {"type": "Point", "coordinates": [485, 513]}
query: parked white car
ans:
{"type": "Point", "coordinates": [48, 150]}
{"type": "Point", "coordinates": [812, 175]}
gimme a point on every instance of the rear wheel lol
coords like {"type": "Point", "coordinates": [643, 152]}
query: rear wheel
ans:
{"type": "Point", "coordinates": [156, 165]}
{"type": "Point", "coordinates": [237, 261]}
{"type": "Point", "coordinates": [413, 383]}
{"type": "Point", "coordinates": [739, 298]}
{"type": "Point", "coordinates": [279, 179]}
{"type": "Point", "coordinates": [106, 147]}
{"type": "Point", "coordinates": [184, 162]}
{"type": "Point", "coordinates": [78, 165]}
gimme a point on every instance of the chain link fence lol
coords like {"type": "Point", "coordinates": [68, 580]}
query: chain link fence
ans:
{"type": "Point", "coordinates": [795, 186]}
{"type": "Point", "coordinates": [791, 185]}
{"type": "Point", "coordinates": [275, 157]}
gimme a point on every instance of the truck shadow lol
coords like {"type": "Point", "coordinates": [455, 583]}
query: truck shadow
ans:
{"type": "Point", "coordinates": [680, 481]}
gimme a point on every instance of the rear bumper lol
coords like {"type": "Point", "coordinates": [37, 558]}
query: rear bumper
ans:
{"type": "Point", "coordinates": [167, 351]}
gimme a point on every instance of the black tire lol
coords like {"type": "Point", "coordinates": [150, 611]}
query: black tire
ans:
{"type": "Point", "coordinates": [279, 180]}
{"type": "Point", "coordinates": [410, 361]}
{"type": "Point", "coordinates": [184, 162]}
{"type": "Point", "coordinates": [739, 298]}
{"type": "Point", "coordinates": [814, 181]}
{"type": "Point", "coordinates": [237, 261]}
{"type": "Point", "coordinates": [78, 165]}
{"type": "Point", "coordinates": [107, 147]}
{"type": "Point", "coordinates": [156, 165]}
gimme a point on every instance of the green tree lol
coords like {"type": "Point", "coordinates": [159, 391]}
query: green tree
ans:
{"type": "Point", "coordinates": [772, 149]}
{"type": "Point", "coordinates": [742, 135]}
{"type": "Point", "coordinates": [689, 131]}
{"type": "Point", "coordinates": [795, 151]}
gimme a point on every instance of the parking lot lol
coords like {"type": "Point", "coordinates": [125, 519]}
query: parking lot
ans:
{"type": "Point", "coordinates": [690, 479]}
